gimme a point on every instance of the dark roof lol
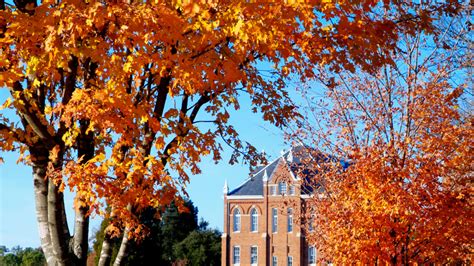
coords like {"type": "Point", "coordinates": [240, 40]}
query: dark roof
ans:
{"type": "Point", "coordinates": [297, 158]}
{"type": "Point", "coordinates": [253, 186]}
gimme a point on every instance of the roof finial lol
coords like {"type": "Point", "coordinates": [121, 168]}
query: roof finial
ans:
{"type": "Point", "coordinates": [225, 190]}
{"type": "Point", "coordinates": [289, 158]}
{"type": "Point", "coordinates": [299, 143]}
{"type": "Point", "coordinates": [265, 176]}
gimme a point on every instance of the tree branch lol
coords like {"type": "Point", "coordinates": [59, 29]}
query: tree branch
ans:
{"type": "Point", "coordinates": [202, 100]}
{"type": "Point", "coordinates": [69, 87]}
{"type": "Point", "coordinates": [32, 120]}
{"type": "Point", "coordinates": [26, 6]}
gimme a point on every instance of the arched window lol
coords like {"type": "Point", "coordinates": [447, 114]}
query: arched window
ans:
{"type": "Point", "coordinates": [236, 220]}
{"type": "Point", "coordinates": [253, 220]}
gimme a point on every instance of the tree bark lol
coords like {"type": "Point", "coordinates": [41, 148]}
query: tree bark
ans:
{"type": "Point", "coordinates": [123, 248]}
{"type": "Point", "coordinates": [80, 244]}
{"type": "Point", "coordinates": [81, 235]}
{"type": "Point", "coordinates": [39, 158]}
{"type": "Point", "coordinates": [58, 225]}
{"type": "Point", "coordinates": [105, 252]}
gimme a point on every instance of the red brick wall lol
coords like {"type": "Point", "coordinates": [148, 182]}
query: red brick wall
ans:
{"type": "Point", "coordinates": [280, 244]}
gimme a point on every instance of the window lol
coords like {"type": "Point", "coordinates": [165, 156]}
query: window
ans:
{"type": "Point", "coordinates": [236, 220]}
{"type": "Point", "coordinates": [290, 220]}
{"type": "Point", "coordinates": [274, 261]}
{"type": "Point", "coordinates": [274, 220]}
{"type": "Point", "coordinates": [282, 187]}
{"type": "Point", "coordinates": [273, 190]}
{"type": "Point", "coordinates": [253, 220]}
{"type": "Point", "coordinates": [292, 190]}
{"type": "Point", "coordinates": [290, 261]}
{"type": "Point", "coordinates": [236, 255]}
{"type": "Point", "coordinates": [312, 255]}
{"type": "Point", "coordinates": [253, 255]}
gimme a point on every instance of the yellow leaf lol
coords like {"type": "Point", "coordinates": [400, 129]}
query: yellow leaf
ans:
{"type": "Point", "coordinates": [127, 67]}
{"type": "Point", "coordinates": [36, 83]}
{"type": "Point", "coordinates": [6, 104]}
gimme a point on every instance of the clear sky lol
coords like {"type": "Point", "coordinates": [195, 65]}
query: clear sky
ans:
{"type": "Point", "coordinates": [17, 211]}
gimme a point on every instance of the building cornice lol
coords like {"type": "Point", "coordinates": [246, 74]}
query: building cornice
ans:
{"type": "Point", "coordinates": [244, 197]}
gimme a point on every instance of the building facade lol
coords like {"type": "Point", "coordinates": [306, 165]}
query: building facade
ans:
{"type": "Point", "coordinates": [260, 217]}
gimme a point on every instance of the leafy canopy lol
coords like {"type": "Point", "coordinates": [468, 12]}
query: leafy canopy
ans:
{"type": "Point", "coordinates": [129, 78]}
{"type": "Point", "coordinates": [405, 196]}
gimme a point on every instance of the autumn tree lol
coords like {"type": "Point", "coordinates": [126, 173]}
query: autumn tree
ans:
{"type": "Point", "coordinates": [395, 185]}
{"type": "Point", "coordinates": [119, 100]}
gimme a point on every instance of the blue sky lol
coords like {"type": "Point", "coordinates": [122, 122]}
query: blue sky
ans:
{"type": "Point", "coordinates": [17, 211]}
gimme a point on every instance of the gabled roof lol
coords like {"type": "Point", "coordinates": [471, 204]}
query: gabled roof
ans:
{"type": "Point", "coordinates": [295, 159]}
{"type": "Point", "coordinates": [253, 186]}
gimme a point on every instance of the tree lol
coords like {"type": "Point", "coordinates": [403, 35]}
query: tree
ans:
{"type": "Point", "coordinates": [31, 257]}
{"type": "Point", "coordinates": [22, 257]}
{"type": "Point", "coordinates": [3, 250]}
{"type": "Point", "coordinates": [163, 233]}
{"type": "Point", "coordinates": [176, 226]}
{"type": "Point", "coordinates": [397, 188]}
{"type": "Point", "coordinates": [10, 260]}
{"type": "Point", "coordinates": [107, 94]}
{"type": "Point", "coordinates": [172, 238]}
{"type": "Point", "coordinates": [200, 247]}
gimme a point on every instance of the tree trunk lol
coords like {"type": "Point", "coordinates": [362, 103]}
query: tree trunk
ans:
{"type": "Point", "coordinates": [50, 210]}
{"type": "Point", "coordinates": [105, 252]}
{"type": "Point", "coordinates": [39, 159]}
{"type": "Point", "coordinates": [81, 235]}
{"type": "Point", "coordinates": [123, 248]}
{"type": "Point", "coordinates": [58, 225]}
{"type": "Point", "coordinates": [85, 151]}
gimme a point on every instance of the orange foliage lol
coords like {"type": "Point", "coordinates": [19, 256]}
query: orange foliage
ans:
{"type": "Point", "coordinates": [405, 195]}
{"type": "Point", "coordinates": [131, 77]}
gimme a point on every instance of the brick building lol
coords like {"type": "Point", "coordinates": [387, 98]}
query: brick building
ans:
{"type": "Point", "coordinates": [260, 225]}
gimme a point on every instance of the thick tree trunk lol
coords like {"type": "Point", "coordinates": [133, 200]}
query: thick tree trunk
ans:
{"type": "Point", "coordinates": [50, 211]}
{"type": "Point", "coordinates": [40, 182]}
{"type": "Point", "coordinates": [58, 229]}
